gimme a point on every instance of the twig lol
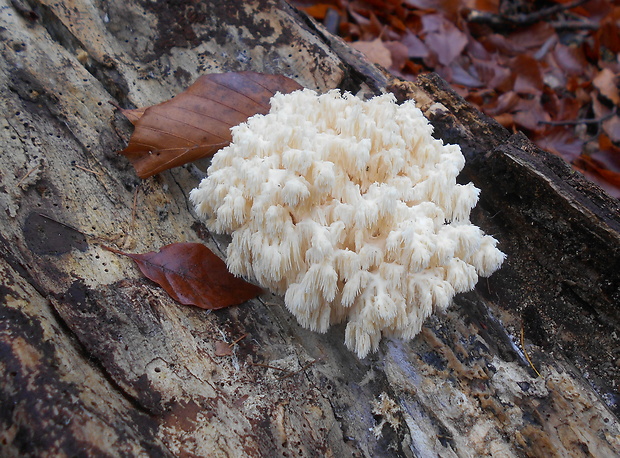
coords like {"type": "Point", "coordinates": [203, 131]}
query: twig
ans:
{"type": "Point", "coordinates": [525, 353]}
{"type": "Point", "coordinates": [267, 366]}
{"type": "Point", "coordinates": [115, 104]}
{"type": "Point", "coordinates": [27, 175]}
{"type": "Point", "coordinates": [113, 250]}
{"type": "Point", "coordinates": [544, 49]}
{"type": "Point", "coordinates": [332, 21]}
{"type": "Point", "coordinates": [236, 341]}
{"type": "Point", "coordinates": [574, 25]}
{"type": "Point", "coordinates": [303, 368]}
{"type": "Point", "coordinates": [135, 204]}
{"type": "Point", "coordinates": [520, 19]}
{"type": "Point", "coordinates": [87, 170]}
{"type": "Point", "coordinates": [574, 122]}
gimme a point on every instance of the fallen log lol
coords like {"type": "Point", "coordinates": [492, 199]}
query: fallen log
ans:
{"type": "Point", "coordinates": [97, 360]}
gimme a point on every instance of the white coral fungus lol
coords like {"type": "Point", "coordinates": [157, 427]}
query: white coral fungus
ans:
{"type": "Point", "coordinates": [351, 210]}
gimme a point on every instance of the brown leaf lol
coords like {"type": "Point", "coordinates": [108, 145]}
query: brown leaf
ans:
{"type": "Point", "coordinates": [559, 106]}
{"type": "Point", "coordinates": [443, 38]}
{"type": "Point", "coordinates": [398, 52]}
{"type": "Point", "coordinates": [529, 114]}
{"type": "Point", "coordinates": [464, 76]}
{"type": "Point", "coordinates": [506, 120]}
{"type": "Point", "coordinates": [607, 153]}
{"type": "Point", "coordinates": [599, 109]}
{"type": "Point", "coordinates": [528, 79]}
{"type": "Point", "coordinates": [561, 140]}
{"type": "Point", "coordinates": [197, 122]}
{"type": "Point", "coordinates": [492, 74]}
{"type": "Point", "coordinates": [222, 349]}
{"type": "Point", "coordinates": [415, 46]}
{"type": "Point", "coordinates": [531, 38]}
{"type": "Point", "coordinates": [611, 127]}
{"type": "Point", "coordinates": [317, 11]}
{"type": "Point", "coordinates": [571, 59]}
{"type": "Point", "coordinates": [489, 6]}
{"type": "Point", "coordinates": [607, 179]}
{"type": "Point", "coordinates": [519, 42]}
{"type": "Point", "coordinates": [609, 33]}
{"type": "Point", "coordinates": [448, 7]}
{"type": "Point", "coordinates": [504, 103]}
{"type": "Point", "coordinates": [192, 275]}
{"type": "Point", "coordinates": [606, 83]}
{"type": "Point", "coordinates": [604, 142]}
{"type": "Point", "coordinates": [375, 51]}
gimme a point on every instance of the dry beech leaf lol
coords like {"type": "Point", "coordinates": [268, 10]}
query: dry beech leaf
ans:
{"type": "Point", "coordinates": [529, 114]}
{"type": "Point", "coordinates": [492, 74]}
{"type": "Point", "coordinates": [528, 75]}
{"type": "Point", "coordinates": [460, 75]}
{"type": "Point", "coordinates": [197, 122]}
{"type": "Point", "coordinates": [561, 140]}
{"type": "Point", "coordinates": [611, 127]}
{"type": "Point", "coordinates": [192, 275]}
{"type": "Point", "coordinates": [375, 51]}
{"type": "Point", "coordinates": [443, 38]}
{"type": "Point", "coordinates": [605, 82]}
{"type": "Point", "coordinates": [571, 59]}
{"type": "Point", "coordinates": [399, 53]}
{"type": "Point", "coordinates": [415, 46]}
{"type": "Point", "coordinates": [318, 10]}
{"type": "Point", "coordinates": [608, 179]}
{"type": "Point", "coordinates": [223, 349]}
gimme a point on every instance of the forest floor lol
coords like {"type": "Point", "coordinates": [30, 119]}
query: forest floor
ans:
{"type": "Point", "coordinates": [548, 68]}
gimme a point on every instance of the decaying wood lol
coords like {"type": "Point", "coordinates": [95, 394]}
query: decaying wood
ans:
{"type": "Point", "coordinates": [97, 360]}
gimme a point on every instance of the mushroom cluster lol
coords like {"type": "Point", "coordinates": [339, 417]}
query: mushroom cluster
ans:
{"type": "Point", "coordinates": [350, 209]}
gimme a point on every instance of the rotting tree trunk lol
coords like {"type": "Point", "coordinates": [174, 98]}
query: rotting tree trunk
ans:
{"type": "Point", "coordinates": [98, 361]}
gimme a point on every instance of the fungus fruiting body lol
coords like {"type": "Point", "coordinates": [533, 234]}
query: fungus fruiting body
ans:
{"type": "Point", "coordinates": [351, 210]}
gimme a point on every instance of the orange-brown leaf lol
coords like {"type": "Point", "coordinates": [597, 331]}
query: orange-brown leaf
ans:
{"type": "Point", "coordinates": [528, 75]}
{"type": "Point", "coordinates": [192, 275]}
{"type": "Point", "coordinates": [223, 349]}
{"type": "Point", "coordinates": [197, 122]}
{"type": "Point", "coordinates": [597, 171]}
{"type": "Point", "coordinates": [606, 83]}
{"type": "Point", "coordinates": [611, 127]}
{"type": "Point", "coordinates": [375, 51]}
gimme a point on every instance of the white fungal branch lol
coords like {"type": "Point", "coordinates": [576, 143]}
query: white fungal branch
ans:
{"type": "Point", "coordinates": [351, 210]}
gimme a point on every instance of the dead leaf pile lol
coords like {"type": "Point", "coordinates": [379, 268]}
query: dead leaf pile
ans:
{"type": "Point", "coordinates": [549, 68]}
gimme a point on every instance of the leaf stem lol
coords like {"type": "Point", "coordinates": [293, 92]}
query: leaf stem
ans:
{"type": "Point", "coordinates": [525, 353]}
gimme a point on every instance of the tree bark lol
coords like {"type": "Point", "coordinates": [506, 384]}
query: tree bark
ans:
{"type": "Point", "coordinates": [99, 361]}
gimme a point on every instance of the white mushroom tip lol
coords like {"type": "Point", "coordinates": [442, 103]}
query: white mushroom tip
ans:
{"type": "Point", "coordinates": [351, 210]}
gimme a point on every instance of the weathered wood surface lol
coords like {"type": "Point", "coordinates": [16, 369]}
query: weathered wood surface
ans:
{"type": "Point", "coordinates": [98, 361]}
